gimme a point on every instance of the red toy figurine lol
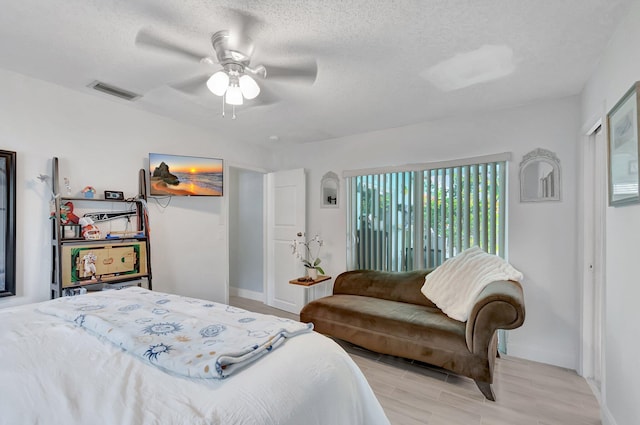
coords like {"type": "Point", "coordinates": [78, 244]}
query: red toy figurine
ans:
{"type": "Point", "coordinates": [67, 209]}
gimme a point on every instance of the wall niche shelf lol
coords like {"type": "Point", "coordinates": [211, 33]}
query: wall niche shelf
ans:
{"type": "Point", "coordinates": [329, 190]}
{"type": "Point", "coordinates": [122, 259]}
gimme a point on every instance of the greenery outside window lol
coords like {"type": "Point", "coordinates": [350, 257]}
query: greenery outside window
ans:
{"type": "Point", "coordinates": [412, 219]}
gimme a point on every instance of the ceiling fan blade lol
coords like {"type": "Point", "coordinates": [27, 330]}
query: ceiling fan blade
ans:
{"type": "Point", "coordinates": [243, 23]}
{"type": "Point", "coordinates": [145, 38]}
{"type": "Point", "coordinates": [266, 97]}
{"type": "Point", "coordinates": [196, 86]}
{"type": "Point", "coordinates": [303, 73]}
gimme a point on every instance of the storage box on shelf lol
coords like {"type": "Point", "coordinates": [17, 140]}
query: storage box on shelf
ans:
{"type": "Point", "coordinates": [114, 260]}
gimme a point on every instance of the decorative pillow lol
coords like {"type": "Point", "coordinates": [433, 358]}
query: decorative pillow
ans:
{"type": "Point", "coordinates": [455, 284]}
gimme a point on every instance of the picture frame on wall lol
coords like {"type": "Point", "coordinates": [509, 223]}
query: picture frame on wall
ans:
{"type": "Point", "coordinates": [622, 136]}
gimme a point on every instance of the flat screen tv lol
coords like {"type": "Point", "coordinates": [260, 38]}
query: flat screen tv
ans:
{"type": "Point", "coordinates": [178, 175]}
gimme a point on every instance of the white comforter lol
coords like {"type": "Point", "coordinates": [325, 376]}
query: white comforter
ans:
{"type": "Point", "coordinates": [54, 372]}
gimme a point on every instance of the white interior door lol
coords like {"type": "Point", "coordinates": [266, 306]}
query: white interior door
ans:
{"type": "Point", "coordinates": [285, 218]}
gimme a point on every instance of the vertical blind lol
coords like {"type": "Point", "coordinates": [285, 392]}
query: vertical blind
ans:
{"type": "Point", "coordinates": [417, 219]}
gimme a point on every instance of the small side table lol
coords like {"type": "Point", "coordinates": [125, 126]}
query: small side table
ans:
{"type": "Point", "coordinates": [311, 287]}
{"type": "Point", "coordinates": [305, 281]}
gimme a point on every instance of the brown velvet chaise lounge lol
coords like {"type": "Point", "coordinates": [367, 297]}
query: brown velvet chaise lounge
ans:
{"type": "Point", "coordinates": [385, 312]}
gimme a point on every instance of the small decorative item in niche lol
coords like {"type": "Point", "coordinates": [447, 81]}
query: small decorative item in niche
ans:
{"type": "Point", "coordinates": [113, 194]}
{"type": "Point", "coordinates": [622, 131]}
{"type": "Point", "coordinates": [540, 176]}
{"type": "Point", "coordinates": [88, 192]}
{"type": "Point", "coordinates": [329, 186]}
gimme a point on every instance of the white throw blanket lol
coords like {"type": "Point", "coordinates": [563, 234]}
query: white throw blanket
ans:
{"type": "Point", "coordinates": [182, 335]}
{"type": "Point", "coordinates": [456, 283]}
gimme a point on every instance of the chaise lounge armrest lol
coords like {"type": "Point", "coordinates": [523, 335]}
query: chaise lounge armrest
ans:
{"type": "Point", "coordinates": [500, 305]}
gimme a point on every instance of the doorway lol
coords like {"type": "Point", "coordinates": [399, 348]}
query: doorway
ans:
{"type": "Point", "coordinates": [246, 233]}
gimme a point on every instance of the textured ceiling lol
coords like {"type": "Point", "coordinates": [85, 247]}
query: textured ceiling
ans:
{"type": "Point", "coordinates": [381, 64]}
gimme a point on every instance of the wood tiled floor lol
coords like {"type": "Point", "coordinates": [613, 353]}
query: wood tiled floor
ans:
{"type": "Point", "coordinates": [413, 393]}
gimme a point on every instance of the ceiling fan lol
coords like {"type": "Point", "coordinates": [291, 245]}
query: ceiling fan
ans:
{"type": "Point", "coordinates": [236, 81]}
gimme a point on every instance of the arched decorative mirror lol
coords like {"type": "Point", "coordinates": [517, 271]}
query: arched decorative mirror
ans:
{"type": "Point", "coordinates": [329, 186]}
{"type": "Point", "coordinates": [7, 223]}
{"type": "Point", "coordinates": [540, 176]}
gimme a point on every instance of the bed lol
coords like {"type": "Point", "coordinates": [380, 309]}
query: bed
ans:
{"type": "Point", "coordinates": [60, 371]}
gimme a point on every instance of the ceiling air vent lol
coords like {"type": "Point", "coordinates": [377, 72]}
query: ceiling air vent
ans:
{"type": "Point", "coordinates": [114, 91]}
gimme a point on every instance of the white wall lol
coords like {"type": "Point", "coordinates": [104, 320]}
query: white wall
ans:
{"type": "Point", "coordinates": [541, 235]}
{"type": "Point", "coordinates": [103, 143]}
{"type": "Point", "coordinates": [618, 70]}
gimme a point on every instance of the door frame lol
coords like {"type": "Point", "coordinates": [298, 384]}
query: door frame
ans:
{"type": "Point", "coordinates": [592, 257]}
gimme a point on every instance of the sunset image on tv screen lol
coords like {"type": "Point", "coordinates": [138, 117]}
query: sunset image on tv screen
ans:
{"type": "Point", "coordinates": [177, 175]}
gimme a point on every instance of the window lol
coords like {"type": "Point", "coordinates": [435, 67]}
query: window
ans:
{"type": "Point", "coordinates": [412, 219]}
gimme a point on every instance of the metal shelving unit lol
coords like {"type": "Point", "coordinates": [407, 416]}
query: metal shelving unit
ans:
{"type": "Point", "coordinates": [61, 245]}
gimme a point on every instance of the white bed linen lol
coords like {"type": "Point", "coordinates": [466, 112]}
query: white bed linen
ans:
{"type": "Point", "coordinates": [53, 372]}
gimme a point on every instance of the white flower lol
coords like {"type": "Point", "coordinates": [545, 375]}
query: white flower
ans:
{"type": "Point", "coordinates": [312, 246]}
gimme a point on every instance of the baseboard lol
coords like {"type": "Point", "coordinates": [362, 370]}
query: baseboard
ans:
{"type": "Point", "coordinates": [595, 390]}
{"type": "Point", "coordinates": [539, 355]}
{"type": "Point", "coordinates": [246, 293]}
{"type": "Point", "coordinates": [606, 416]}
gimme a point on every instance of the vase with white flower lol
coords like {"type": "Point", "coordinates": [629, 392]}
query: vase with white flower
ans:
{"type": "Point", "coordinates": [309, 253]}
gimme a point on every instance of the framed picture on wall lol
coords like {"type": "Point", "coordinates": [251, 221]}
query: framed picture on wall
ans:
{"type": "Point", "coordinates": [622, 132]}
{"type": "Point", "coordinates": [7, 223]}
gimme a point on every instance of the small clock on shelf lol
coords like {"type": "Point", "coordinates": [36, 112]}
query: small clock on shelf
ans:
{"type": "Point", "coordinates": [114, 194]}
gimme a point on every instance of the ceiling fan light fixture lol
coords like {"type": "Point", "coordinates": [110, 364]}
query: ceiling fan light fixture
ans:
{"type": "Point", "coordinates": [234, 96]}
{"type": "Point", "coordinates": [218, 83]}
{"type": "Point", "coordinates": [250, 89]}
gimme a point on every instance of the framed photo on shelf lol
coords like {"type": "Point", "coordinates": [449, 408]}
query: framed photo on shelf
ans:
{"type": "Point", "coordinates": [622, 132]}
{"type": "Point", "coordinates": [72, 231]}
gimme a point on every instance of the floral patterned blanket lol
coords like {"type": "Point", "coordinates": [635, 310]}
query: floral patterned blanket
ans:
{"type": "Point", "coordinates": [185, 336]}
